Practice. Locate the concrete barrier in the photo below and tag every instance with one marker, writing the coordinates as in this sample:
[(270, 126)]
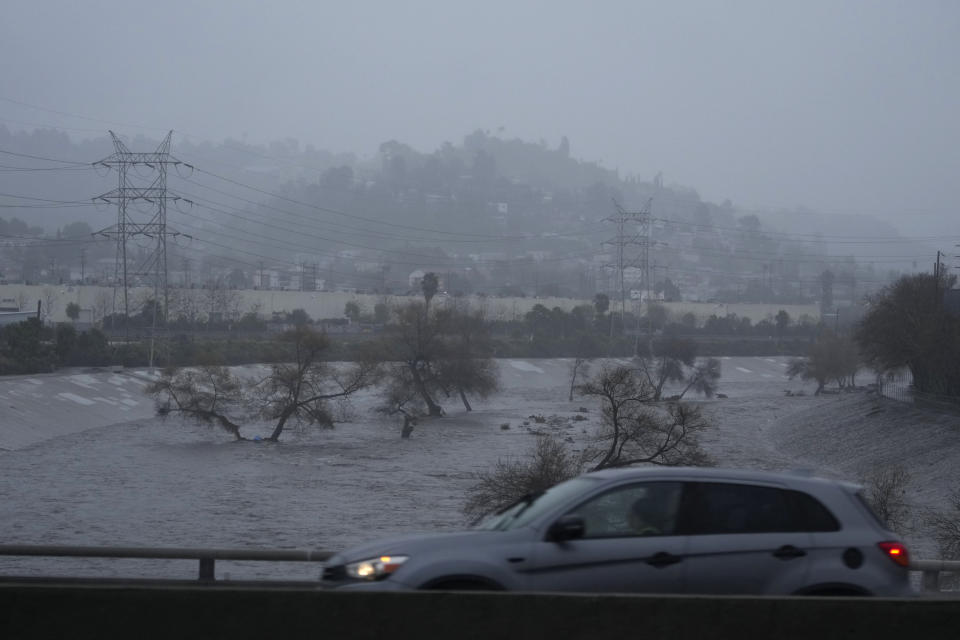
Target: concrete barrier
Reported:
[(140, 611), (39, 407)]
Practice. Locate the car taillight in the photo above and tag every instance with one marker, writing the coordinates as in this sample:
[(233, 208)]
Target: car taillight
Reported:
[(896, 552)]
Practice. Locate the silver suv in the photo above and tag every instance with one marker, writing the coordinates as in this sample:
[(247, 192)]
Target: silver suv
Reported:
[(663, 530)]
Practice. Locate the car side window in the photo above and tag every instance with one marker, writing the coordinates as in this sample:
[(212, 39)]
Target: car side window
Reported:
[(717, 508), (642, 509), (811, 515)]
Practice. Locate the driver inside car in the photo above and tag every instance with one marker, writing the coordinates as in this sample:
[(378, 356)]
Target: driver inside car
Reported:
[(643, 518)]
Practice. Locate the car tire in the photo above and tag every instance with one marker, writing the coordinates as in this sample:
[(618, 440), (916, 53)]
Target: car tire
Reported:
[(834, 592), (462, 584)]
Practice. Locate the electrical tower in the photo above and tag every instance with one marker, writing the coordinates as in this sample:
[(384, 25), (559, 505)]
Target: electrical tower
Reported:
[(141, 198), (632, 244)]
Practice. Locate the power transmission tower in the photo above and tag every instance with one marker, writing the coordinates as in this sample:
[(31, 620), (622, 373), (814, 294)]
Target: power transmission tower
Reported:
[(141, 198), (632, 246)]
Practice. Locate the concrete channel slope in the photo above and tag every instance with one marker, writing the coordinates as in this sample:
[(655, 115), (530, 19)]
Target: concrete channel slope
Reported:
[(39, 407)]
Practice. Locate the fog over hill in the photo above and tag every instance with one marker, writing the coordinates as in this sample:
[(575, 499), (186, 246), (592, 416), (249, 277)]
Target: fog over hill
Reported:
[(489, 213), (488, 142)]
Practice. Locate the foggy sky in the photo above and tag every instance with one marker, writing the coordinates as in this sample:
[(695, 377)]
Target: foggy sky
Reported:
[(845, 107)]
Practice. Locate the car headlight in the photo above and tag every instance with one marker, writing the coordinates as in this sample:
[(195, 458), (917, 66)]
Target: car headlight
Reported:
[(375, 568)]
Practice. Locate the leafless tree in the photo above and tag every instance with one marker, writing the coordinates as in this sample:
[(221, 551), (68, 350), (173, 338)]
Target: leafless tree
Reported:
[(297, 391), (886, 491), (300, 390), (101, 306), (946, 528), (442, 351), (210, 394), (400, 396), (221, 301), (184, 305), (579, 367), (415, 340), (636, 430), (703, 379), (50, 299), (668, 363), (465, 364)]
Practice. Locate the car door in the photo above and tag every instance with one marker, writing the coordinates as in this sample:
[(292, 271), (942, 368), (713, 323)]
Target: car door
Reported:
[(621, 550), (743, 539)]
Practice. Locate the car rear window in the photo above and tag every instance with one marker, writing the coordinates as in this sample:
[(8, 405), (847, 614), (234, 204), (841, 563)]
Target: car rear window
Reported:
[(811, 515)]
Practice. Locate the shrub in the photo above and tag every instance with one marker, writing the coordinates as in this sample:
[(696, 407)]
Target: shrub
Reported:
[(946, 528), (551, 461), (885, 491)]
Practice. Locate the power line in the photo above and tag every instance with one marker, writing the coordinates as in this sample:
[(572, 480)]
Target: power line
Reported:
[(815, 237), (797, 237), (373, 232), (35, 198), (74, 115), (27, 155), (12, 169), (423, 257), (354, 216)]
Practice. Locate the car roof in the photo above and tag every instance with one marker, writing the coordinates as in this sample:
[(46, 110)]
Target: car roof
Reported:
[(794, 479)]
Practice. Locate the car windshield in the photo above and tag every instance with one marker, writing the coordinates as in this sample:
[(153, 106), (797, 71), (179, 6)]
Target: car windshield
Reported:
[(532, 506)]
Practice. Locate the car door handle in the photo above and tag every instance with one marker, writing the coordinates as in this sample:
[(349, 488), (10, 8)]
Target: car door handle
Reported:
[(789, 552), (663, 559)]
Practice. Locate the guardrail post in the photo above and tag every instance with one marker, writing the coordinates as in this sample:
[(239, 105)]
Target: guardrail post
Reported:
[(931, 580), (206, 570)]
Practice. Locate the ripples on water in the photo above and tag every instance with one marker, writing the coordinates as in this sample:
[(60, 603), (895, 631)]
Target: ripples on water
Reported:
[(179, 484)]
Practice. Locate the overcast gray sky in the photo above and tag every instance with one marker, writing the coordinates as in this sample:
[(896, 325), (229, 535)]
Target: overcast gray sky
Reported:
[(837, 106)]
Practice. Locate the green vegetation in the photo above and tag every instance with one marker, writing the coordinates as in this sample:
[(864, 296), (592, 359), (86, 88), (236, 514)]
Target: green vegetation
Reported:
[(583, 332)]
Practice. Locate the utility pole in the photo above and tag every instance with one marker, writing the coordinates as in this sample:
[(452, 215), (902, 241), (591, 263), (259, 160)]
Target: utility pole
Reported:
[(633, 230), (936, 279), (83, 263), (141, 213)]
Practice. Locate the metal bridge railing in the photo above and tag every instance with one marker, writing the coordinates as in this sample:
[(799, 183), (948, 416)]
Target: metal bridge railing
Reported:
[(207, 557), (932, 570)]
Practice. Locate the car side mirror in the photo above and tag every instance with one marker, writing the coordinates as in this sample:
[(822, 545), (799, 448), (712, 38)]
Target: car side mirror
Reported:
[(568, 527)]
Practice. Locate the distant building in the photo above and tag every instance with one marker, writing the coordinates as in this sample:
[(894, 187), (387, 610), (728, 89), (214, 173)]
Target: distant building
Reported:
[(13, 317)]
